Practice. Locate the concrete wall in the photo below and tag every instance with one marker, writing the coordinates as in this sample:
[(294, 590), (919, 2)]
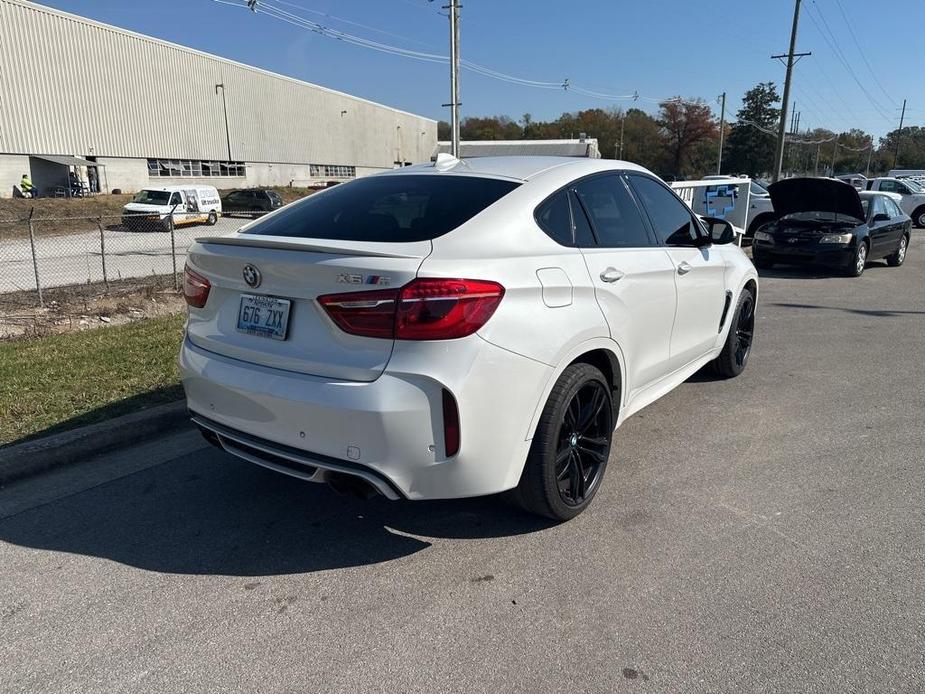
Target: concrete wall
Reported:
[(12, 167)]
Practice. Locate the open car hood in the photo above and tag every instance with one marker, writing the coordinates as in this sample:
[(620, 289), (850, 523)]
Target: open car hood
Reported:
[(793, 195)]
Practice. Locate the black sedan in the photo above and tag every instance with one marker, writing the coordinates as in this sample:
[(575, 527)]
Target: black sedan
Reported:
[(826, 222), (253, 201)]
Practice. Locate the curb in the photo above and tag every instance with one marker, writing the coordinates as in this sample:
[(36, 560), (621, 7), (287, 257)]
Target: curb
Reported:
[(32, 457)]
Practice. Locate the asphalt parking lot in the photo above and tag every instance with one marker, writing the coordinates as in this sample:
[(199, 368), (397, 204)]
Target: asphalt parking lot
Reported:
[(761, 534)]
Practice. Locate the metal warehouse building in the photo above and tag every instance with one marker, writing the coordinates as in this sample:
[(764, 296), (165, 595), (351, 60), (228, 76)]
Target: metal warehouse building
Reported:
[(134, 111)]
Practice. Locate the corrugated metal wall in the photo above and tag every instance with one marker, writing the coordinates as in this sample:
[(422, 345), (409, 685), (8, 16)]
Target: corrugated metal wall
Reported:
[(72, 86)]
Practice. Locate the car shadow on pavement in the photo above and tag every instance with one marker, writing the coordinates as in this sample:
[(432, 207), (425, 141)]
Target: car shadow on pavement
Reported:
[(212, 514), (879, 313)]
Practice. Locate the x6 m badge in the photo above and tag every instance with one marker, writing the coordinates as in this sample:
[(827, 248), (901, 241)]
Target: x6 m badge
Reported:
[(379, 280)]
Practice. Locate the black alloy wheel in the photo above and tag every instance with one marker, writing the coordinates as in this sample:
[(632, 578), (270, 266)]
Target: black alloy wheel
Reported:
[(584, 441), (571, 446), (744, 330), (738, 346)]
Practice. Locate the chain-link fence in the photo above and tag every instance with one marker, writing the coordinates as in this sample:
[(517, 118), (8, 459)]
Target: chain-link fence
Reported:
[(39, 254)]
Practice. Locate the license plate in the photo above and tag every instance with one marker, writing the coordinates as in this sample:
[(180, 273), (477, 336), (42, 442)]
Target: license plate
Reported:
[(263, 316)]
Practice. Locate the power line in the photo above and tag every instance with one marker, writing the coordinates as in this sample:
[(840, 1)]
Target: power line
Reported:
[(273, 10), (833, 44), (353, 23), (863, 56)]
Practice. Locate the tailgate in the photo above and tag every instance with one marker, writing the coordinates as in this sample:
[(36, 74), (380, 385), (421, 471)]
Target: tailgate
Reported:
[(297, 271)]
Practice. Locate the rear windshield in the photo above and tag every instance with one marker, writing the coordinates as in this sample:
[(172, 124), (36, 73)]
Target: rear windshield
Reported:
[(393, 208)]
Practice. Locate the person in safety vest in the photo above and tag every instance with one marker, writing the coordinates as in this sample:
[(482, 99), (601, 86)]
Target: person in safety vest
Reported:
[(27, 188)]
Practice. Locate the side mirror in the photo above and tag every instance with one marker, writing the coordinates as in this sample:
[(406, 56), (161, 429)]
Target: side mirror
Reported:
[(721, 231), (881, 217)]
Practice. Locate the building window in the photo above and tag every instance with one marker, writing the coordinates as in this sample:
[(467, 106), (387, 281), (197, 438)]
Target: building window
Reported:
[(332, 171), (194, 168)]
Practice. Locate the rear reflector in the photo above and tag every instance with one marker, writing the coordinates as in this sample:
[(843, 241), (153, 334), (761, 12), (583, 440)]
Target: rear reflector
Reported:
[(424, 309), (195, 288), (450, 424)]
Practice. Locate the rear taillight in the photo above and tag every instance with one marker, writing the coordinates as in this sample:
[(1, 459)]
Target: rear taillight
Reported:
[(424, 309), (195, 288)]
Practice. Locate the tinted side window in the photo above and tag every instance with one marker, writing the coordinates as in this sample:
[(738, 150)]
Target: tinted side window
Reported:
[(554, 218), (394, 208), (879, 206), (670, 217), (613, 213), (893, 209)]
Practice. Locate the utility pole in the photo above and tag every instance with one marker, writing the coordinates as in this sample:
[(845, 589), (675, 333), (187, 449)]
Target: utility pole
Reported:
[(899, 134), (454, 104), (622, 123), (834, 154), (792, 58), (722, 132), (870, 152), (816, 165)]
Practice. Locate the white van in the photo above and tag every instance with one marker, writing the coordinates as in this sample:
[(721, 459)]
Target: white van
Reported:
[(151, 208)]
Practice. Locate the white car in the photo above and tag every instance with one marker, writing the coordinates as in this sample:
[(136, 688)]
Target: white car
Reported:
[(461, 328)]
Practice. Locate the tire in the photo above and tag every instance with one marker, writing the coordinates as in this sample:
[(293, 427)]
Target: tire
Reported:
[(562, 476), (898, 257), (856, 269), (213, 219), (733, 358), (918, 217)]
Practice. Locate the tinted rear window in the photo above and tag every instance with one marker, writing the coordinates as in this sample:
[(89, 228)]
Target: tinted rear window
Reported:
[(396, 209)]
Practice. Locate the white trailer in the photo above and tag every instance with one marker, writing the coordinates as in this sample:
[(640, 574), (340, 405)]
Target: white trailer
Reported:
[(730, 199)]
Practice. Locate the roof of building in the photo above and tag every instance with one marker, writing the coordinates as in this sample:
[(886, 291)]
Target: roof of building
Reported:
[(586, 147)]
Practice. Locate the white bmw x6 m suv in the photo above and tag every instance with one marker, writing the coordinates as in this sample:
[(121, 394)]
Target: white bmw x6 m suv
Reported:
[(461, 328)]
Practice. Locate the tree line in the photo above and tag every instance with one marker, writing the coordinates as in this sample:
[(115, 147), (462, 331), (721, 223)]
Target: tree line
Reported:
[(681, 141)]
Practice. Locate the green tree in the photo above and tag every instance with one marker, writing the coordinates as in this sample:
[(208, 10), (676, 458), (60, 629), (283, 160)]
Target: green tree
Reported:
[(643, 141), (751, 140), (490, 128), (911, 148)]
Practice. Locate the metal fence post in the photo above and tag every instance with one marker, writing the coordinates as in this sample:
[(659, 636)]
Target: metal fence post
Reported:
[(103, 253), (173, 251), (35, 260)]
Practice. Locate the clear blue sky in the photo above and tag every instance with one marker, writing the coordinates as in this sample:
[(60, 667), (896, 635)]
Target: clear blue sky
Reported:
[(660, 48)]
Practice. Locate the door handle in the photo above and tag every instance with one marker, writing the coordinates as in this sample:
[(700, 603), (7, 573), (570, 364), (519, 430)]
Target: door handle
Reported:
[(684, 268), (611, 274)]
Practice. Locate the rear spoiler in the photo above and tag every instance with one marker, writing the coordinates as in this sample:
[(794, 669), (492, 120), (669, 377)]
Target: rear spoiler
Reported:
[(419, 249)]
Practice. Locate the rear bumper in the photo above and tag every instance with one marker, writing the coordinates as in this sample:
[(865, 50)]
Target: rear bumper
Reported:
[(388, 431)]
